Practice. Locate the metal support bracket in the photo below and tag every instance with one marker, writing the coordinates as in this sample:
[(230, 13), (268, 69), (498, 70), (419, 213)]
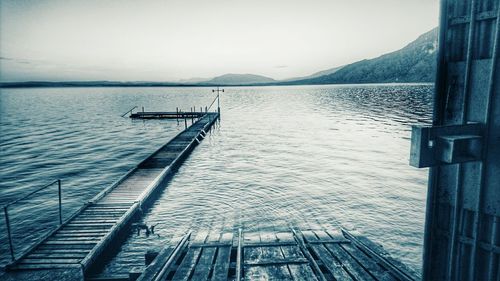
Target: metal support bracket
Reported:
[(441, 145)]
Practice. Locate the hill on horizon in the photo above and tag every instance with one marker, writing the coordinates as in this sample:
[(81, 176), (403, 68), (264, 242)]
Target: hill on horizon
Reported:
[(416, 62), (239, 79)]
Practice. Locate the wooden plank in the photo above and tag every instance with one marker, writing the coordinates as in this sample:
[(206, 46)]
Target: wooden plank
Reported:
[(221, 266), (61, 251), (66, 247), (35, 255), (333, 266), (272, 256), (369, 264), (50, 242), (204, 265), (46, 266), (186, 267), (297, 271), (301, 272), (350, 264), (72, 238), (89, 225), (81, 231), (92, 221), (48, 261)]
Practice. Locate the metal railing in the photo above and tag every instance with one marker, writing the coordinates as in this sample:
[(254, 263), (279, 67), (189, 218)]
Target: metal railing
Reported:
[(6, 212), (130, 110)]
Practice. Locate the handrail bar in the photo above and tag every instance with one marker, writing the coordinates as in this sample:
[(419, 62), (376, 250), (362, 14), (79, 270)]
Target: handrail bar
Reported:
[(216, 97), (129, 111), (31, 193), (6, 213)]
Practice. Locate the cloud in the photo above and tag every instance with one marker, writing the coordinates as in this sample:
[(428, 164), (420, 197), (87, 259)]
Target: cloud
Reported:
[(281, 66)]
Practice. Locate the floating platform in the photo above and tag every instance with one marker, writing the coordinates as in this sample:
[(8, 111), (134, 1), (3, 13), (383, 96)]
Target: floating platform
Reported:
[(82, 240), (274, 255), (166, 115)]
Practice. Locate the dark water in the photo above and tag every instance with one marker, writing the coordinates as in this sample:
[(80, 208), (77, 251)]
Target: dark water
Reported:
[(309, 156)]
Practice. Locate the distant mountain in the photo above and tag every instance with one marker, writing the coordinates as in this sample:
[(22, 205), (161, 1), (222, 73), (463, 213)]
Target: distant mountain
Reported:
[(194, 80), (414, 63), (317, 74), (239, 79)]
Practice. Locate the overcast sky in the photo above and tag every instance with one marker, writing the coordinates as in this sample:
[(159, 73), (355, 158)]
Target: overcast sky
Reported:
[(180, 39)]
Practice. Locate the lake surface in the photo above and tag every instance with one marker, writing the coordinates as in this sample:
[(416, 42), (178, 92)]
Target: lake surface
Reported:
[(306, 156)]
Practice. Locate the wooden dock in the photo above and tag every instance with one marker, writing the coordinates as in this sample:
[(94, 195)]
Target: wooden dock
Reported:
[(275, 255), (166, 115), (83, 238)]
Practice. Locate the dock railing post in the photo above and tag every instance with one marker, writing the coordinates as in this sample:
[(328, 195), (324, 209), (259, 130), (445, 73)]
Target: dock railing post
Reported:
[(185, 122), (7, 223), (177, 115), (218, 102), (60, 201)]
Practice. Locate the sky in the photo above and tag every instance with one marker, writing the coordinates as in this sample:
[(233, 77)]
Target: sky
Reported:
[(171, 40)]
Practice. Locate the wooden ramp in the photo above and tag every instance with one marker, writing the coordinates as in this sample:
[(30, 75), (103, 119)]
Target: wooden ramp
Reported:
[(275, 255), (84, 237)]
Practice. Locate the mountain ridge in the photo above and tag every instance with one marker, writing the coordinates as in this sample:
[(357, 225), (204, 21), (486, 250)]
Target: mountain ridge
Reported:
[(414, 63)]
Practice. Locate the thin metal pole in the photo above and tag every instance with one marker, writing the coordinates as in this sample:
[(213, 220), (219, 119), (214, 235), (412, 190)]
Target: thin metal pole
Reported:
[(7, 223), (218, 101), (60, 201), (238, 256)]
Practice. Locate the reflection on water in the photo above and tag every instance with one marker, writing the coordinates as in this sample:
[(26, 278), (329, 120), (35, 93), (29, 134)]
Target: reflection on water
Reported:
[(308, 156)]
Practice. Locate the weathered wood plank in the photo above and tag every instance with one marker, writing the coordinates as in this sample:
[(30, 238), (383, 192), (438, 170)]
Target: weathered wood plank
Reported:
[(59, 242), (301, 272), (333, 266), (186, 267), (221, 267), (48, 261), (49, 255), (66, 247), (350, 264), (368, 263), (204, 265), (61, 251)]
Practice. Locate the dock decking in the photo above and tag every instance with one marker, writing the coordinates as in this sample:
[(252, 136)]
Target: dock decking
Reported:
[(166, 115), (274, 255), (83, 238)]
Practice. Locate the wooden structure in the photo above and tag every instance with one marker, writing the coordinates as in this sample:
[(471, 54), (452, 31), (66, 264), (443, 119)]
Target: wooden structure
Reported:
[(462, 233), (274, 255), (81, 240), (166, 115)]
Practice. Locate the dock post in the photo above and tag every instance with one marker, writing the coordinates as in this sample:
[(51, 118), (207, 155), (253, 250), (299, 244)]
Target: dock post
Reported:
[(185, 122), (192, 116), (218, 103), (7, 223), (177, 115), (60, 201), (143, 109), (206, 109)]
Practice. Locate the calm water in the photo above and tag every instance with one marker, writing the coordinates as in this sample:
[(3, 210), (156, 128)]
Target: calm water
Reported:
[(307, 156)]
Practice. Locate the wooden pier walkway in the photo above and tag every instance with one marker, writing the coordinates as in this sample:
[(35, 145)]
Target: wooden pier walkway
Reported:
[(83, 238), (166, 115), (275, 255)]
